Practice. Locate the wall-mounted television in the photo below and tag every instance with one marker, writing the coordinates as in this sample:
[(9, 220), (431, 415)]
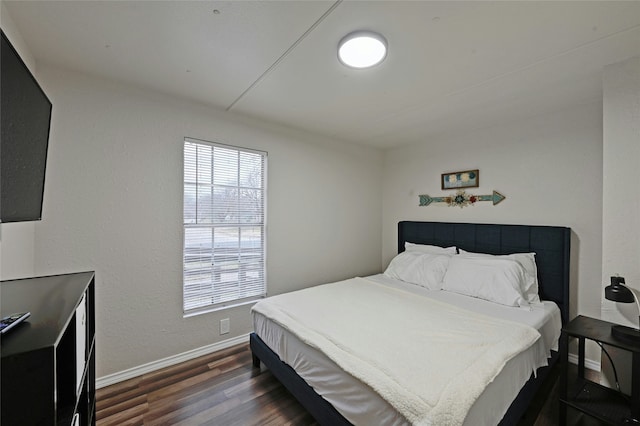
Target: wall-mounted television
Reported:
[(24, 139)]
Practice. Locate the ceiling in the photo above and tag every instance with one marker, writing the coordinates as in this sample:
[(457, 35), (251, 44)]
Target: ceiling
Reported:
[(452, 66)]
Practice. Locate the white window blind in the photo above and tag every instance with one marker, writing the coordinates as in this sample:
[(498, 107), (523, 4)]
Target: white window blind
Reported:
[(224, 225)]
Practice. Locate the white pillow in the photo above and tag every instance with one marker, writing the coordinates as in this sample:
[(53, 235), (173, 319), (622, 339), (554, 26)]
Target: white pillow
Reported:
[(425, 248), (528, 262), (495, 279), (423, 269)]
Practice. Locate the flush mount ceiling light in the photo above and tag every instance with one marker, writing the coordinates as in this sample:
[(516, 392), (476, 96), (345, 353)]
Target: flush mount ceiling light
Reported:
[(362, 49)]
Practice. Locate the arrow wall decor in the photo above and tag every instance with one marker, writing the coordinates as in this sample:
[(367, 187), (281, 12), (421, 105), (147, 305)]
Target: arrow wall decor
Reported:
[(462, 199)]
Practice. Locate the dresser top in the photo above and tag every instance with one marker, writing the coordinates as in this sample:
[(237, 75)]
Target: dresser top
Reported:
[(52, 301)]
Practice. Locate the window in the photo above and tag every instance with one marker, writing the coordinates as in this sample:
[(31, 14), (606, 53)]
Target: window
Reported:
[(224, 225)]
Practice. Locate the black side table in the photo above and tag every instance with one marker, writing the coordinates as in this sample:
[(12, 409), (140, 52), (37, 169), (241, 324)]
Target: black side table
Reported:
[(593, 399)]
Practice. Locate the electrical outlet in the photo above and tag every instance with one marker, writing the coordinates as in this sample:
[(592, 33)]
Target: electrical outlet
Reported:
[(224, 326)]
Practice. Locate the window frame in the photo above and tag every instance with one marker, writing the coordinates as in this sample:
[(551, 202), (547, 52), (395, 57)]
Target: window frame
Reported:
[(227, 254)]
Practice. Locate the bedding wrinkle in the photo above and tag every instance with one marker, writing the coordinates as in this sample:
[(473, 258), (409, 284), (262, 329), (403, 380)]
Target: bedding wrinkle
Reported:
[(466, 350)]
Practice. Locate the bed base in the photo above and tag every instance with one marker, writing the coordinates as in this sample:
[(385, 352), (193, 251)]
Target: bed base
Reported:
[(552, 247), (326, 414), (317, 406)]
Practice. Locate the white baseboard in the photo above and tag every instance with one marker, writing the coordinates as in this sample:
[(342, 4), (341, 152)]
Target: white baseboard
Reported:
[(588, 363), (130, 373)]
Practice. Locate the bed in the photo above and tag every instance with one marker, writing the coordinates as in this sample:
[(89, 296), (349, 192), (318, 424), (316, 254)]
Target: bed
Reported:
[(355, 400)]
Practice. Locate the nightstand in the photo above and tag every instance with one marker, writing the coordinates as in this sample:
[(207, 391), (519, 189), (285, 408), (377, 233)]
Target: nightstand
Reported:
[(590, 398)]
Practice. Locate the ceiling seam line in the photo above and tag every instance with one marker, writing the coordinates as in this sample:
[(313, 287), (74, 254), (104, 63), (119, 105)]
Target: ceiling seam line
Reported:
[(284, 55), (545, 59), (493, 79)]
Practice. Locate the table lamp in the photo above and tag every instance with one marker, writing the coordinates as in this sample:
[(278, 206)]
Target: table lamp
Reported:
[(619, 292)]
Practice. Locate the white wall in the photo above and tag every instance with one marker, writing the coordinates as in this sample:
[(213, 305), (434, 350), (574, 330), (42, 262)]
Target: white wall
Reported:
[(114, 205), (549, 167), (15, 37), (17, 250), (621, 200), (16, 239), (621, 197)]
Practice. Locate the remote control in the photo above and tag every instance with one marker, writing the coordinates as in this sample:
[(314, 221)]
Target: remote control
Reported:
[(11, 321)]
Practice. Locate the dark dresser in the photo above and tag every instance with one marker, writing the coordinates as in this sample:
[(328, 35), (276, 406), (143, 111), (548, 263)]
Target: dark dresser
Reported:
[(48, 361)]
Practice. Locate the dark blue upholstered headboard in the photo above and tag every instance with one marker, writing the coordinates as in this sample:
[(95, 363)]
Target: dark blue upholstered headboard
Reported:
[(552, 245)]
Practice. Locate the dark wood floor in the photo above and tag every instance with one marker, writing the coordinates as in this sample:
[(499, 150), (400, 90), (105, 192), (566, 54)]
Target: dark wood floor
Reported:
[(217, 389), (224, 389)]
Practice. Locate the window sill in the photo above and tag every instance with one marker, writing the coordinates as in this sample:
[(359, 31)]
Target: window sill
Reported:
[(217, 308)]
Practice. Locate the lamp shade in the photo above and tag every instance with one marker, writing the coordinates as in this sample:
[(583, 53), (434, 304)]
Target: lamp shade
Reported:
[(618, 293)]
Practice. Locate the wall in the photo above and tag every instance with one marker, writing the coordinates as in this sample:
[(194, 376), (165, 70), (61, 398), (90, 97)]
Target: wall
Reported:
[(17, 250), (16, 239), (621, 200), (114, 205), (549, 167)]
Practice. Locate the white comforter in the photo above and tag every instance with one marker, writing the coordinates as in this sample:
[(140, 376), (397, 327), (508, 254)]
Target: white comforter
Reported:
[(428, 359)]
